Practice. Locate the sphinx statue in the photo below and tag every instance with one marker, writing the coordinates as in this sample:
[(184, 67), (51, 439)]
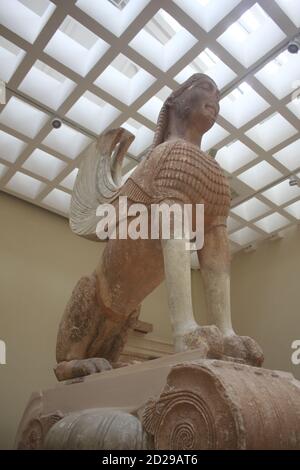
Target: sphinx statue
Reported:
[(105, 305)]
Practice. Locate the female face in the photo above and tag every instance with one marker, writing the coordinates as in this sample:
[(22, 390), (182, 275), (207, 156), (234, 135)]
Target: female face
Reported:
[(204, 106)]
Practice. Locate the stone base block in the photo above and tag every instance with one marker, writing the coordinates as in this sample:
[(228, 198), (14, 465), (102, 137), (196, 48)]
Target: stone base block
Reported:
[(175, 402)]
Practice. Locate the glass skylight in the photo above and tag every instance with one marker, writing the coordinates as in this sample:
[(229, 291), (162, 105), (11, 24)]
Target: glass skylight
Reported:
[(167, 45), (110, 15), (67, 141), (10, 147), (143, 136), (278, 75), (244, 236), (25, 185), (282, 193), (294, 105), (234, 156), (241, 105), (43, 164), (289, 156), (210, 64), (252, 36), (23, 117), (207, 13), (272, 222), (124, 80), (213, 137), (271, 132), (260, 175), (251, 209), (10, 57), (232, 224), (92, 112), (46, 85), (76, 46), (18, 14), (291, 9), (69, 181), (294, 209), (153, 106), (59, 200)]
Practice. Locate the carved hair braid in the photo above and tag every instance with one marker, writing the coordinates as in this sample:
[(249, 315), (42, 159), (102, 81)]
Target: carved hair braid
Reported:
[(163, 117)]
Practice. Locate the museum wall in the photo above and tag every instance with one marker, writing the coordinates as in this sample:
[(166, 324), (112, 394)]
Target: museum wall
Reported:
[(41, 260), (265, 297)]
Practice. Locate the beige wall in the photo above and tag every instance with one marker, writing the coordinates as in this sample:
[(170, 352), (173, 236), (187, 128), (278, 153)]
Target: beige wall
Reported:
[(265, 297), (41, 260)]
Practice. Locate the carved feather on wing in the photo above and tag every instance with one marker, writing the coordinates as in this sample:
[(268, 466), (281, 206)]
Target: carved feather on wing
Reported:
[(98, 181)]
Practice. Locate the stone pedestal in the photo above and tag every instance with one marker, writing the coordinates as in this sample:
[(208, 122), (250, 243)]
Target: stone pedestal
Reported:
[(175, 402)]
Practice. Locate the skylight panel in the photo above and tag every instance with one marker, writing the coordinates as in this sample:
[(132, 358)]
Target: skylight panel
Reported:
[(215, 135), (232, 224), (23, 117), (294, 209), (10, 147), (143, 136), (69, 181), (10, 57), (251, 36), (46, 85), (162, 41), (210, 64), (278, 74), (289, 156), (272, 222), (294, 105), (241, 105), (17, 15), (92, 112), (234, 156), (114, 15), (207, 13), (76, 46), (153, 106), (25, 185), (271, 132), (260, 175), (282, 193), (124, 80), (251, 209), (163, 27), (244, 236), (291, 9), (59, 200), (43, 164), (67, 141)]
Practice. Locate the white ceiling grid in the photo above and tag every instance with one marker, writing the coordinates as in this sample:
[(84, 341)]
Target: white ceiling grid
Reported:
[(101, 64)]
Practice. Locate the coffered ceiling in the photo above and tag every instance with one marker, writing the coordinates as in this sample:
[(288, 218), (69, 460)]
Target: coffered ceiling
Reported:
[(110, 63)]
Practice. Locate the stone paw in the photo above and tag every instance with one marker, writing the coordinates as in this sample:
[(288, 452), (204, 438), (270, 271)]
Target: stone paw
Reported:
[(244, 348), (81, 367), (206, 338)]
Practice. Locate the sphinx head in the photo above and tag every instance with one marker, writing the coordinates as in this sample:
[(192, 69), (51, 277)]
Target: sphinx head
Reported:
[(195, 104)]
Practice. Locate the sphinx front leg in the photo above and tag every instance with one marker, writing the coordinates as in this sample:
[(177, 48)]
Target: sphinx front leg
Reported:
[(187, 333), (214, 260)]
